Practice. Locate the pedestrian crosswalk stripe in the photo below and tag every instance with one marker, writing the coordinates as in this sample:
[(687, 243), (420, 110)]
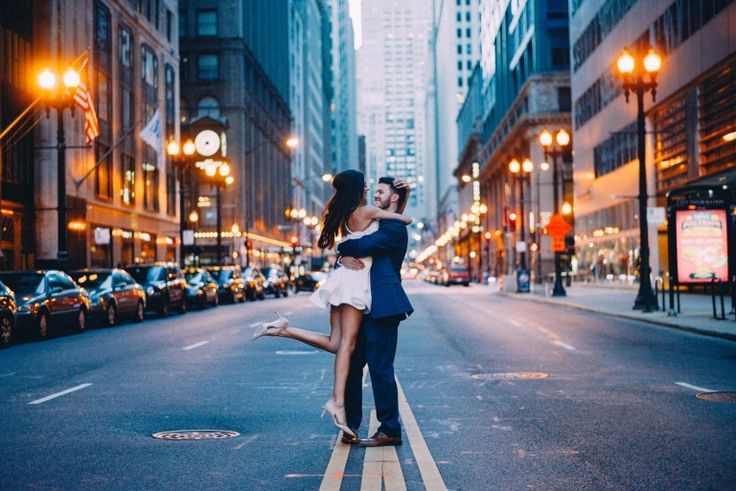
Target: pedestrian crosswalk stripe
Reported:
[(427, 467)]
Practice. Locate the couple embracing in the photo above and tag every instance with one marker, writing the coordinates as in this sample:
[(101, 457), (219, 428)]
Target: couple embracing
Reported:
[(365, 299)]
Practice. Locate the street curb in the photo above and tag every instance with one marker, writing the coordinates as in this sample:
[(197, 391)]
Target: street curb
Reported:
[(694, 330)]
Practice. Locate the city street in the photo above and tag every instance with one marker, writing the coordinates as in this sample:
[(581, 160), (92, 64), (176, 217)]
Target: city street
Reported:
[(500, 393)]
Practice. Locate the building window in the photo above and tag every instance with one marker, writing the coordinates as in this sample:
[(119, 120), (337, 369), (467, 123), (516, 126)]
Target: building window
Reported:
[(182, 23), (149, 69), (459, 33), (150, 178), (469, 64), (564, 99), (467, 16), (169, 81), (459, 65), (459, 81), (468, 49), (459, 17), (717, 117), (103, 174), (170, 191), (127, 190), (126, 48), (207, 67), (206, 22), (169, 25), (617, 150), (459, 49), (467, 32)]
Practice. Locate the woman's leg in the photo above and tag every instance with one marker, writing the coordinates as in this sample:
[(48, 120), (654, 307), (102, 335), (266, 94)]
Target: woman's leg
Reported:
[(316, 339), (350, 319)]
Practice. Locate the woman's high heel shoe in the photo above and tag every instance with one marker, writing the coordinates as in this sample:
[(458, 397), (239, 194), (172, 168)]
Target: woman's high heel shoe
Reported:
[(338, 416), (279, 325)]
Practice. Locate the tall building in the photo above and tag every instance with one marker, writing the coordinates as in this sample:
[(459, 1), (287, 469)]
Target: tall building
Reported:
[(119, 195), (520, 88), (456, 51), (311, 93), (343, 107), (688, 126), (393, 72), (234, 71)]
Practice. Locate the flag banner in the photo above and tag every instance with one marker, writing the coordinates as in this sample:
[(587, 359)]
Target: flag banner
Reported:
[(83, 100), (151, 134)]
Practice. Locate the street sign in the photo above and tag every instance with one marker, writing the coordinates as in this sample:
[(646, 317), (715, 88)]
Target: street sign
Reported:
[(655, 215), (188, 237), (558, 244), (558, 227)]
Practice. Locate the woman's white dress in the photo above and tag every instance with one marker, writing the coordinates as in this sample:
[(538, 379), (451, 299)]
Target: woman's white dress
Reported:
[(347, 286)]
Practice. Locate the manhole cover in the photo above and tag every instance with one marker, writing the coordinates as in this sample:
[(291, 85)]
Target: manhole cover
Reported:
[(195, 435), (717, 396), (510, 376)]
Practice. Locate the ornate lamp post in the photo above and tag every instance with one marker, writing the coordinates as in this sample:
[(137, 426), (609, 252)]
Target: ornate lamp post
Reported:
[(60, 98), (640, 76), (219, 176), (180, 157), (522, 173), (555, 151)]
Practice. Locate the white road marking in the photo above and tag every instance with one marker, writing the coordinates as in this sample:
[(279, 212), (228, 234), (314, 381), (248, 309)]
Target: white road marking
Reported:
[(59, 394), (515, 323), (427, 466), (7, 374), (255, 324), (694, 387), (295, 352), (246, 442), (564, 345), (288, 312), (196, 345)]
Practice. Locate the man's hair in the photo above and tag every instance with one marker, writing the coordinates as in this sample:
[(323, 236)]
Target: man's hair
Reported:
[(400, 191)]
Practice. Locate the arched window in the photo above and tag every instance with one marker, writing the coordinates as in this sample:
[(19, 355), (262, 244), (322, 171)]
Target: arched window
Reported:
[(208, 106)]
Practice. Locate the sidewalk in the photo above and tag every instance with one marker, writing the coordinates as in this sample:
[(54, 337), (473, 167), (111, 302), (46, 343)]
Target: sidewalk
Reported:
[(696, 316)]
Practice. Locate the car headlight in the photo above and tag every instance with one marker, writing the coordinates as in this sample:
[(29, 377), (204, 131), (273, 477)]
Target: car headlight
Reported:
[(150, 291)]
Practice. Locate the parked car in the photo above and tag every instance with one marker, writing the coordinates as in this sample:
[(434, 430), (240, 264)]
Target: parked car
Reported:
[(276, 283), (203, 289), (47, 300), (254, 281), (7, 316), (113, 294), (309, 282), (164, 285), (230, 282), (457, 275)]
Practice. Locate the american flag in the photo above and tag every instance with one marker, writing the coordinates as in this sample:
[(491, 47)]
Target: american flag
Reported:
[(83, 100)]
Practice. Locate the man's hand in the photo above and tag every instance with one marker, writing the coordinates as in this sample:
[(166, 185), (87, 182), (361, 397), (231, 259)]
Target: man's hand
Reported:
[(352, 263)]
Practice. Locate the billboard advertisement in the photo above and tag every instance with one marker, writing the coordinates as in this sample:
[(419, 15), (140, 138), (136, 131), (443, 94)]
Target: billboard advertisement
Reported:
[(702, 245)]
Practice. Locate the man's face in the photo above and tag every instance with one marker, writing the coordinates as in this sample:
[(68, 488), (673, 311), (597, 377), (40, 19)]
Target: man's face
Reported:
[(382, 196)]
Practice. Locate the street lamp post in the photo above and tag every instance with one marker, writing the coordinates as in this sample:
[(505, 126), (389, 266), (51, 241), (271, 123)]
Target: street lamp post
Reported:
[(181, 162), (60, 98), (563, 140), (640, 82), (219, 173), (521, 172)]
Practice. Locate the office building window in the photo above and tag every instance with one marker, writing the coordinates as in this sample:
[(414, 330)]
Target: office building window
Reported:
[(206, 22), (169, 81), (467, 32), (469, 49), (103, 174), (127, 190), (103, 99), (459, 81), (459, 65), (459, 17), (617, 150), (459, 49), (469, 64), (150, 178), (564, 99), (182, 23), (670, 143), (170, 191), (459, 33), (717, 117), (208, 67), (169, 25)]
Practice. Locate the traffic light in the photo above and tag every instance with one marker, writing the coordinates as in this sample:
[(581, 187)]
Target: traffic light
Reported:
[(488, 235), (511, 217), (249, 244)]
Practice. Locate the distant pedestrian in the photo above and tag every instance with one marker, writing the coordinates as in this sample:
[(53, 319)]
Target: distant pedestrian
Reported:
[(359, 306)]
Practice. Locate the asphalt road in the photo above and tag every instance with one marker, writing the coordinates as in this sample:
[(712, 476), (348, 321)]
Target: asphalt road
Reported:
[(500, 394)]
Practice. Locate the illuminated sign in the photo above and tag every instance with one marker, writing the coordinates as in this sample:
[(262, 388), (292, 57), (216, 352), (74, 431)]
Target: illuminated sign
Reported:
[(702, 245)]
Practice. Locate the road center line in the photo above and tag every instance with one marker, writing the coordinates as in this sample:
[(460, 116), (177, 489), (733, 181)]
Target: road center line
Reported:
[(564, 345), (694, 387), (59, 394), (196, 345), (372, 464), (427, 466), (254, 324)]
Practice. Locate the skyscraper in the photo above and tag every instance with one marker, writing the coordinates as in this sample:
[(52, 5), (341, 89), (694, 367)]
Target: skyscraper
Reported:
[(393, 70)]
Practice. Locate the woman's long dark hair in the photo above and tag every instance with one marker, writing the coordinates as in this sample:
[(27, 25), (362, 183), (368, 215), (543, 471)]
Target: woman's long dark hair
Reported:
[(349, 190)]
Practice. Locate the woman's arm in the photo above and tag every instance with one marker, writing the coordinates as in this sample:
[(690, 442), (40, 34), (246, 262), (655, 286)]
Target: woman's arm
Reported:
[(378, 214), (391, 236)]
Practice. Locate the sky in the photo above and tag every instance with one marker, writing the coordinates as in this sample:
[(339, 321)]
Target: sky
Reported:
[(355, 15)]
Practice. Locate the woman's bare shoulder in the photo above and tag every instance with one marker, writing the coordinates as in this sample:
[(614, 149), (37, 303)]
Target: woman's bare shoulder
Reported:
[(361, 218)]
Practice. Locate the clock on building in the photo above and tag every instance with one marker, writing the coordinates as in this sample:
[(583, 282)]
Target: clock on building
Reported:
[(207, 143)]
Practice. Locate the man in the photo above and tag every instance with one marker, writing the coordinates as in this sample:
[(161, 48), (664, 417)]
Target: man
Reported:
[(376, 344)]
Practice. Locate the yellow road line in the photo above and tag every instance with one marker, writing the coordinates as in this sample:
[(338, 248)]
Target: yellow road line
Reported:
[(427, 466), (372, 463), (332, 479)]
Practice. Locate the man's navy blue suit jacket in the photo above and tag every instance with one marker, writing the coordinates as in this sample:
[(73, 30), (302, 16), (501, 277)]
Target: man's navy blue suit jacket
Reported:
[(387, 247)]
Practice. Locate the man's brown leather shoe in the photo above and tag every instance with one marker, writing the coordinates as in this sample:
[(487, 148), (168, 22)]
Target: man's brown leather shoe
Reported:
[(349, 440), (380, 439)]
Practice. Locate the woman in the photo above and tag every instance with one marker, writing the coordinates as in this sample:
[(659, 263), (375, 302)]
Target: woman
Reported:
[(346, 292)]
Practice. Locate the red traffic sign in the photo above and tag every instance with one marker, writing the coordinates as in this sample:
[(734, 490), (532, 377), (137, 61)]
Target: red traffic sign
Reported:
[(558, 227), (558, 244)]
